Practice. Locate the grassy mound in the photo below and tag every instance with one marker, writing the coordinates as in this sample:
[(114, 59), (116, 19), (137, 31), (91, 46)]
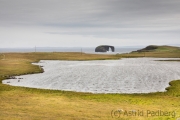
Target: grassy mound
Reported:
[(155, 48), (155, 51)]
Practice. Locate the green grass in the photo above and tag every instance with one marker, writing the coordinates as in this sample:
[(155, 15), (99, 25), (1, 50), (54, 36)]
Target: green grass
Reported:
[(160, 52), (30, 103)]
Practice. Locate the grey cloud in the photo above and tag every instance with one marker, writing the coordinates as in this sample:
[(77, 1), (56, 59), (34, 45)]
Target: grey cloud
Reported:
[(94, 11), (99, 18)]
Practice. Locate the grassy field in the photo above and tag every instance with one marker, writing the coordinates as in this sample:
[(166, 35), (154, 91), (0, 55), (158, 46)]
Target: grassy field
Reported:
[(28, 103)]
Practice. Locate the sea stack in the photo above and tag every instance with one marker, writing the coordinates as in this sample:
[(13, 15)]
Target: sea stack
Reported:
[(104, 48)]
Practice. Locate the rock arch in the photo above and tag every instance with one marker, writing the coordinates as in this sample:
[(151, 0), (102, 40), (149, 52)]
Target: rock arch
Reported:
[(104, 48)]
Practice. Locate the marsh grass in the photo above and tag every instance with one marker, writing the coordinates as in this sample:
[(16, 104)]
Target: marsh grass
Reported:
[(31, 103)]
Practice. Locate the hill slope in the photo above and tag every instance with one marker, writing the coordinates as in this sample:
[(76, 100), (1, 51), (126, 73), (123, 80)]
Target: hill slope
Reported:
[(154, 48), (155, 51)]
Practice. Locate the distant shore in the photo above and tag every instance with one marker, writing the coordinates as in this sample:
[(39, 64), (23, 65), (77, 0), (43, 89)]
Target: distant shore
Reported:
[(66, 49)]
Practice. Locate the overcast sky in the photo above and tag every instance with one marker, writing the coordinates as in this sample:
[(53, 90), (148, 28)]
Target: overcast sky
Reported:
[(88, 23)]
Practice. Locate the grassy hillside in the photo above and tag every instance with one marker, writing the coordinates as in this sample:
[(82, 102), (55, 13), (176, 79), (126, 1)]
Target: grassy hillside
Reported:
[(28, 103), (155, 51), (155, 48)]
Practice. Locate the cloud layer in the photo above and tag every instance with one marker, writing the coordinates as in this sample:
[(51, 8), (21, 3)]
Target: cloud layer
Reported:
[(88, 22)]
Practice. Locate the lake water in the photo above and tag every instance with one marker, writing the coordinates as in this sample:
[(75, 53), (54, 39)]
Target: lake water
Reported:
[(128, 75)]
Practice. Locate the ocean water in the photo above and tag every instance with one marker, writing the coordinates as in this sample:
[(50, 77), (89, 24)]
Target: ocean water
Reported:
[(67, 49)]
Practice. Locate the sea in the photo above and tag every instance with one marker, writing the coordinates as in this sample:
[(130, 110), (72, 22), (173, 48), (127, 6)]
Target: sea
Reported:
[(90, 50)]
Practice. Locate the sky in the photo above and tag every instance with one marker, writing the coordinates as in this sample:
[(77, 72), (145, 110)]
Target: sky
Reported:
[(89, 23)]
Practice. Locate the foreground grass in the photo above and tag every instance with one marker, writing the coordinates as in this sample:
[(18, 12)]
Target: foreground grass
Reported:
[(29, 103)]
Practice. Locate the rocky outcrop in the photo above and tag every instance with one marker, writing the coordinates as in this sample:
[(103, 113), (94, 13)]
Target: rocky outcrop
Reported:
[(104, 48)]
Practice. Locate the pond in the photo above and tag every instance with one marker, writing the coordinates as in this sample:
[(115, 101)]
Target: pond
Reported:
[(128, 75)]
